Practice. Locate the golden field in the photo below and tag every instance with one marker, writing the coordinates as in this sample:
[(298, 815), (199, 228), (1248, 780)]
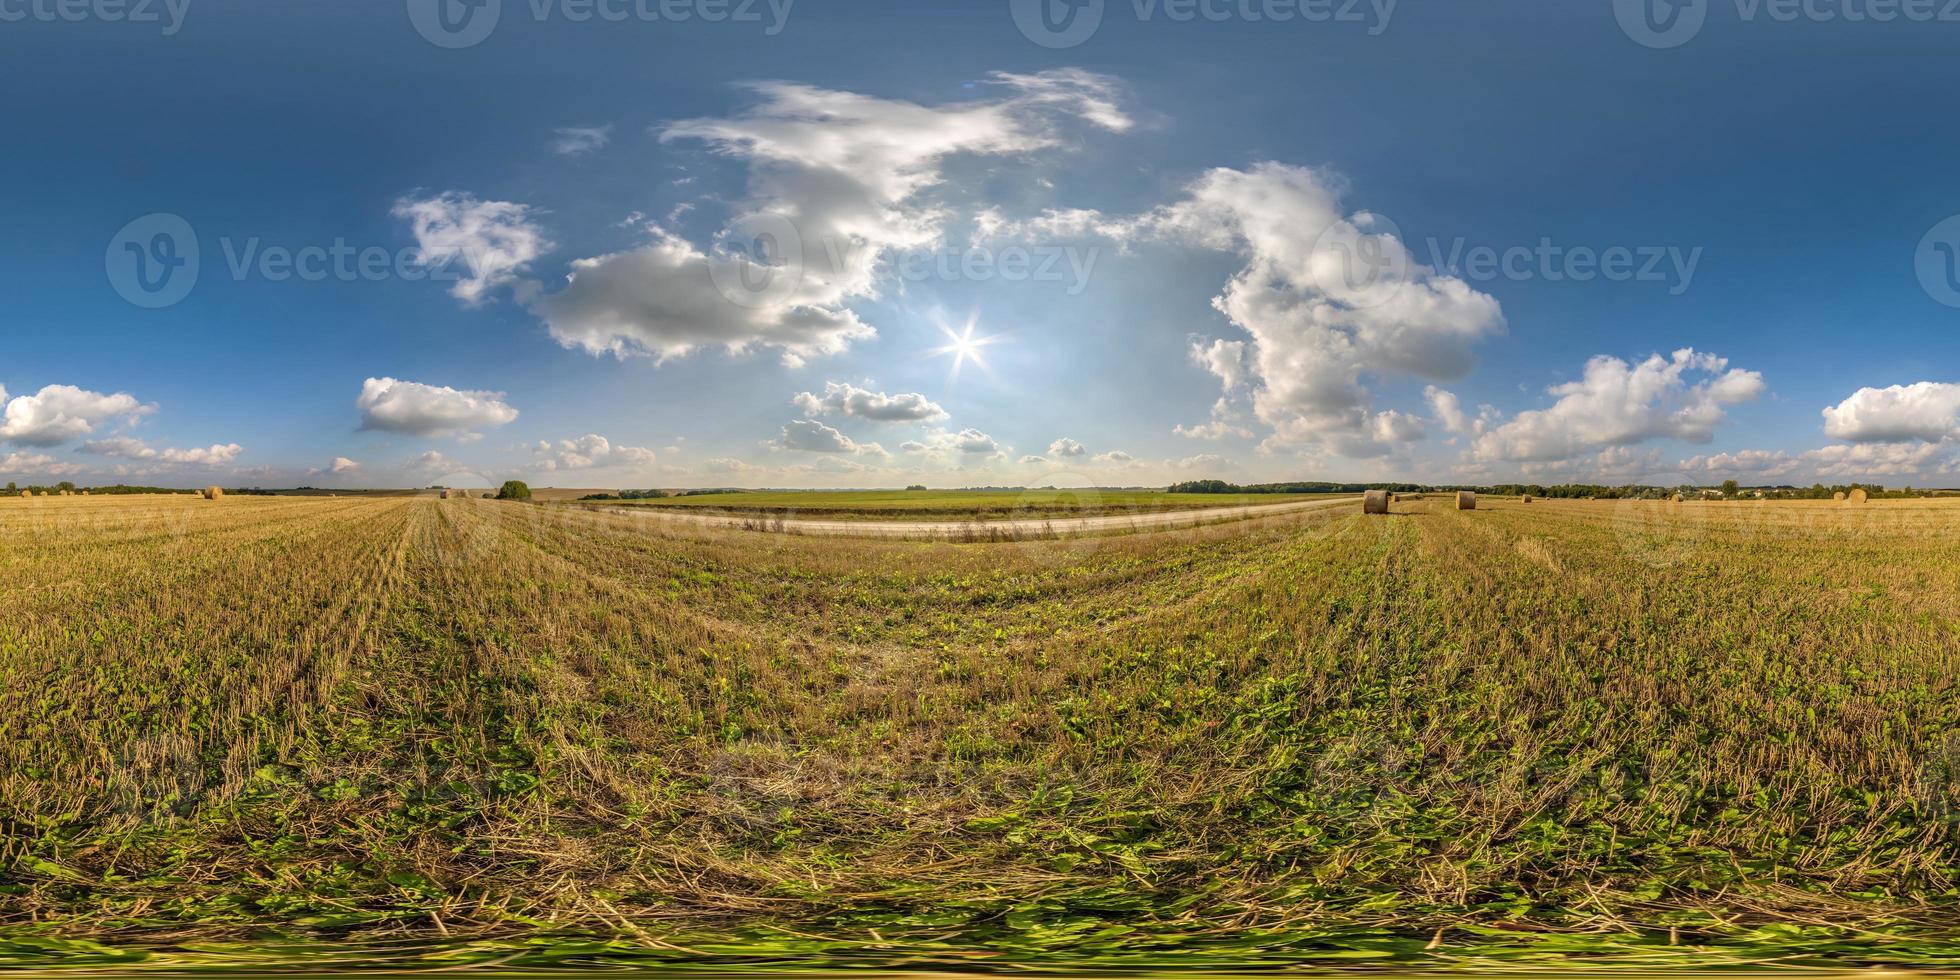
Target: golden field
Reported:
[(1623, 731)]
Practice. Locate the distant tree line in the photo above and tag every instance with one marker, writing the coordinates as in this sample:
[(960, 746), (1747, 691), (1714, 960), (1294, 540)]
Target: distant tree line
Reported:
[(627, 495)]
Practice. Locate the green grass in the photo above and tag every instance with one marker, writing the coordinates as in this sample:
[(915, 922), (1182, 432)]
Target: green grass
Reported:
[(958, 504), (1562, 734)]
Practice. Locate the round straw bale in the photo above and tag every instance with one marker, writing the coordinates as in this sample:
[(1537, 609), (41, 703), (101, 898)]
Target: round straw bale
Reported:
[(1838, 495), (1466, 500), (1858, 496), (1524, 497), (213, 493), (1677, 498), (1374, 502), (27, 493)]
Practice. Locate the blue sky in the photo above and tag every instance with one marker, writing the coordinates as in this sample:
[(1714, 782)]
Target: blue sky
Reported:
[(1264, 244)]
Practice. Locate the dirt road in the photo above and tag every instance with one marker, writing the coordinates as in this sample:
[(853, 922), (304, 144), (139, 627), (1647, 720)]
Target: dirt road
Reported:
[(987, 530)]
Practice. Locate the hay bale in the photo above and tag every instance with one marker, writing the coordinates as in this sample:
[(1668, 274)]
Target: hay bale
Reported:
[(444, 495), (27, 493), (1524, 498), (1466, 500), (213, 493), (1677, 498), (1374, 502), (1838, 496), (1858, 496)]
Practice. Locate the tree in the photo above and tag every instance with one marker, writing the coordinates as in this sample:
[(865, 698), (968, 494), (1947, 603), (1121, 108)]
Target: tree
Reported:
[(65, 486), (1731, 489), (514, 490)]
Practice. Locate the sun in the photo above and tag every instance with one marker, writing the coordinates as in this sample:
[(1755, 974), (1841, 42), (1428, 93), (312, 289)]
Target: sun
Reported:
[(964, 346)]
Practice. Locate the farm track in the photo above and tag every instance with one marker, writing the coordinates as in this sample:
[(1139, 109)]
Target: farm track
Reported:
[(986, 530)]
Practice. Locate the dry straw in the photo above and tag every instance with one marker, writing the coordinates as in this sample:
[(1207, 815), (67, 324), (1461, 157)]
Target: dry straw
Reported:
[(1525, 497), (213, 493), (1678, 498), (1839, 496), (1858, 496), (1466, 500), (1374, 502)]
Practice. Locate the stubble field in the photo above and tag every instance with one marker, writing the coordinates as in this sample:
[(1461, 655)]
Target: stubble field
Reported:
[(1626, 732)]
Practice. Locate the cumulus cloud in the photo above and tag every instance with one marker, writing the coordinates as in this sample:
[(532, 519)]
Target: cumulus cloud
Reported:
[(61, 413), (846, 399), (836, 180), (36, 464), (1757, 463), (1066, 447), (1114, 456), (1224, 358), (1330, 300), (974, 441), (811, 436), (1618, 404), (484, 244), (342, 464), (124, 447), (1883, 459), (590, 451), (1927, 411), (946, 446), (415, 409), (577, 141)]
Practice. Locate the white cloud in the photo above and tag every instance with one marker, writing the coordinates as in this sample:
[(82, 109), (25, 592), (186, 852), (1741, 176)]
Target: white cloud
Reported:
[(974, 441), (1066, 447), (1033, 460), (1927, 411), (1224, 358), (36, 465), (214, 455), (1448, 411), (836, 180), (590, 451), (1620, 404), (342, 464), (846, 399), (1756, 463), (1329, 301), (1114, 456), (412, 408), (485, 244), (60, 413), (577, 141), (1875, 459), (811, 436)]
